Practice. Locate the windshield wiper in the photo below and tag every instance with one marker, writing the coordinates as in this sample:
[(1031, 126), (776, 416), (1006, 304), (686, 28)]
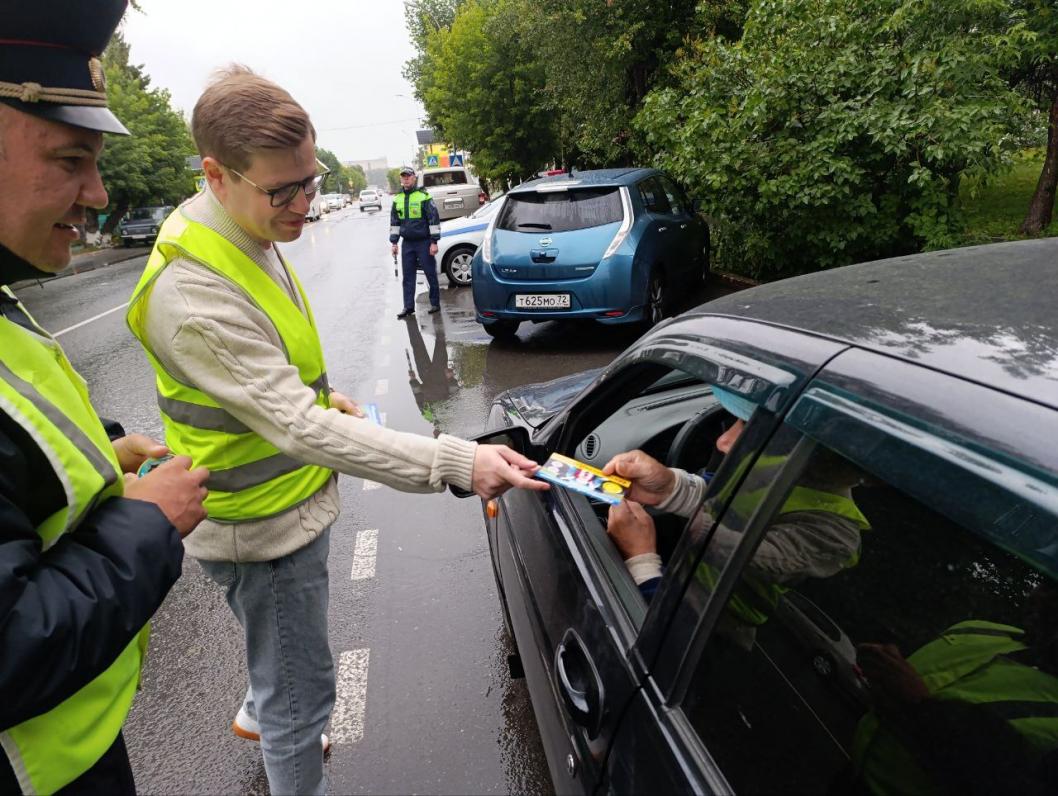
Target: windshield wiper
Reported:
[(535, 226)]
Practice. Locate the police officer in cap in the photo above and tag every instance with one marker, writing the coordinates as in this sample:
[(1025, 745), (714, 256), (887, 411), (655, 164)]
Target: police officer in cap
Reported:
[(414, 218), (87, 553)]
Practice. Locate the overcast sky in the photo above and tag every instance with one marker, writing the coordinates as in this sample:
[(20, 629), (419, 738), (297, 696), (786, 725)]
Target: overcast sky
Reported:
[(341, 59)]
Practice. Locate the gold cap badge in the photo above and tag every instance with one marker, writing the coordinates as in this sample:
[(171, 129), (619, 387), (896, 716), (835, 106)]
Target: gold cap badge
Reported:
[(99, 78)]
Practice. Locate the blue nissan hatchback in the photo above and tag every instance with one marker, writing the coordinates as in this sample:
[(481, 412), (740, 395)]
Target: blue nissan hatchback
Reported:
[(612, 245)]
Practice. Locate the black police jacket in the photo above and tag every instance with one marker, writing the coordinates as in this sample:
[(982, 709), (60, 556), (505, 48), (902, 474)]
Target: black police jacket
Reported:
[(66, 613)]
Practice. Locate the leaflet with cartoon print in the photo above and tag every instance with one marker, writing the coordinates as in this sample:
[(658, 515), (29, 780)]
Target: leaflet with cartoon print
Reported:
[(583, 478)]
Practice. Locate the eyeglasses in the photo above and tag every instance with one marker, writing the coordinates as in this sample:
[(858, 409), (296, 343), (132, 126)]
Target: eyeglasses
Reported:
[(285, 194)]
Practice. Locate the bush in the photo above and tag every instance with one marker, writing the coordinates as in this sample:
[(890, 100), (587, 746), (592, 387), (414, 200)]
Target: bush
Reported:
[(837, 131)]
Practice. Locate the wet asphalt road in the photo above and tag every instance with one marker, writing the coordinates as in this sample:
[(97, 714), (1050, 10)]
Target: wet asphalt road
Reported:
[(431, 708)]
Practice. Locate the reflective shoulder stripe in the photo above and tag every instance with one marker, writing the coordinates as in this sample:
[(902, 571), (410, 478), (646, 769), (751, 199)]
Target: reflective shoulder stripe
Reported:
[(236, 479), (18, 765), (69, 430), (984, 630), (211, 418)]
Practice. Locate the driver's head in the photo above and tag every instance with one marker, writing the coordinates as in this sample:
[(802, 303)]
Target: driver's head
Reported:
[(738, 406)]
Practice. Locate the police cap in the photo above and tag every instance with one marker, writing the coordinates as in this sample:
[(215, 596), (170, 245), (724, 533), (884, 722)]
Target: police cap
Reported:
[(406, 170), (49, 59)]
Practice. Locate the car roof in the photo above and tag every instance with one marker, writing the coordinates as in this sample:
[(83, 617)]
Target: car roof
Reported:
[(594, 177), (987, 314)]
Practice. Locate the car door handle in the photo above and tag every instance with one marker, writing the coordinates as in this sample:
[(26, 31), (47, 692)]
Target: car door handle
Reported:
[(683, 226), (662, 229), (579, 683)]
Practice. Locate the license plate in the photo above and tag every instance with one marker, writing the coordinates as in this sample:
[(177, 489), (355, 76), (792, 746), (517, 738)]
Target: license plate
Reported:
[(453, 204), (542, 301)]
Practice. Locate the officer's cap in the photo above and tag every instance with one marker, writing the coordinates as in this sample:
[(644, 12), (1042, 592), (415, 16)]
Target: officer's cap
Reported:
[(406, 170), (49, 59)]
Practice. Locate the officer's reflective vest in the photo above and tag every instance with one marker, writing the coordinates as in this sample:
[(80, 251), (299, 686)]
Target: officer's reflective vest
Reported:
[(40, 391), (415, 201), (754, 600), (969, 664), (249, 477)]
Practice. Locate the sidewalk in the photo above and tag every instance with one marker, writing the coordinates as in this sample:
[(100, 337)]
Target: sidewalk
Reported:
[(89, 261)]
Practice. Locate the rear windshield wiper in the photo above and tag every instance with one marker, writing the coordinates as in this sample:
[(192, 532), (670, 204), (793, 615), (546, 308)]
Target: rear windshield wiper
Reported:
[(535, 226)]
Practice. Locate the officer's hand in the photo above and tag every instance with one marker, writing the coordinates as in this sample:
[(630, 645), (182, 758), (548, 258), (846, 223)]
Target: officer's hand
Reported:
[(433, 249), (134, 449), (344, 404), (652, 481), (631, 529), (394, 249), (893, 680), (177, 490), (497, 468)]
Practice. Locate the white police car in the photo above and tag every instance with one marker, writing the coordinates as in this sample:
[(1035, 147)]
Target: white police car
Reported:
[(460, 238)]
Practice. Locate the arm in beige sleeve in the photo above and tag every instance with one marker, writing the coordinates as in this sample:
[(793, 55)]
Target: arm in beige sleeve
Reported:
[(224, 345)]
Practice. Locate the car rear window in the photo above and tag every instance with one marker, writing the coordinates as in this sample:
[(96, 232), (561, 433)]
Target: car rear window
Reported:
[(444, 178), (147, 213), (562, 211)]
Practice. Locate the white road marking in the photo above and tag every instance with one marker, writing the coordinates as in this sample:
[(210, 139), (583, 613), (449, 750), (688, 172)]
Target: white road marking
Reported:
[(93, 318), (347, 720), (364, 554), (382, 387), (369, 485)]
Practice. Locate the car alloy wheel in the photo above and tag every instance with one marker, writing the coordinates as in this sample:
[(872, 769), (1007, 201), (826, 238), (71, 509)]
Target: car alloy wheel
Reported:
[(657, 299), (457, 267), (823, 665)]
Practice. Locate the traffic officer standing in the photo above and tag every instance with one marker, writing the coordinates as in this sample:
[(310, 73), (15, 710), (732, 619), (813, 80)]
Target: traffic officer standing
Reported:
[(414, 218), (84, 559)]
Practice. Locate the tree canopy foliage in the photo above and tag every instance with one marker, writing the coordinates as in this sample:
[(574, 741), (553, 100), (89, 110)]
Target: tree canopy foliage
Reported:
[(814, 132), (148, 167)]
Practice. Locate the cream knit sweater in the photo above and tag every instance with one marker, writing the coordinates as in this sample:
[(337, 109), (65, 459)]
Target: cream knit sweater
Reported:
[(208, 333)]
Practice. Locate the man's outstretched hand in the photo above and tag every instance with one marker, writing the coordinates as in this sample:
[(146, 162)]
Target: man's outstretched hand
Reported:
[(497, 468)]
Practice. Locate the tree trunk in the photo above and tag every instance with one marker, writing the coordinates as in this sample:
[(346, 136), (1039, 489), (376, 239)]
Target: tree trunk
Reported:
[(1042, 205), (112, 220)]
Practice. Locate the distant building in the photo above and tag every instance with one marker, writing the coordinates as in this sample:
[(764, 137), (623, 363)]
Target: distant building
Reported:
[(374, 169)]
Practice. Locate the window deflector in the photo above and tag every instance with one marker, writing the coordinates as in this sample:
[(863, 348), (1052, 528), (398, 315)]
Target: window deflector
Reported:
[(1009, 506), (757, 526)]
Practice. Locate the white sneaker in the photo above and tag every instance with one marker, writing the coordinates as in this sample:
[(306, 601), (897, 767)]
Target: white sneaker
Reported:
[(248, 728)]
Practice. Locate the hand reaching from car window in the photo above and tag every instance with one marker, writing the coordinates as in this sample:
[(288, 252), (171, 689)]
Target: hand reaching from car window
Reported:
[(497, 468), (652, 482)]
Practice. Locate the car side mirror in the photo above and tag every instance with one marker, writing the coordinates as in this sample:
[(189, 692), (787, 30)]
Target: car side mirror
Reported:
[(514, 437)]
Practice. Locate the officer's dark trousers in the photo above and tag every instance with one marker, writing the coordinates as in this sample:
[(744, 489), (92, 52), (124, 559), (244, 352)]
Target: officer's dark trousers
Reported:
[(415, 254)]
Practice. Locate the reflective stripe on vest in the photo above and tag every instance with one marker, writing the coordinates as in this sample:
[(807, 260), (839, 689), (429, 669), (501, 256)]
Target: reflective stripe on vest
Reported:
[(411, 206), (42, 393), (249, 477), (968, 664)]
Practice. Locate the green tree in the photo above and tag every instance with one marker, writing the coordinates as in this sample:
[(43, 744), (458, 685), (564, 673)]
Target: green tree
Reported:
[(150, 166), (482, 88), (355, 178), (393, 178), (1037, 71), (603, 58), (423, 18), (835, 132), (336, 181)]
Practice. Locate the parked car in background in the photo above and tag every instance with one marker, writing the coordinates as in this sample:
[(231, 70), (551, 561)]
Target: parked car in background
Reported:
[(460, 238), (613, 245), (905, 409), (370, 199), (454, 191), (334, 201), (317, 205), (141, 224)]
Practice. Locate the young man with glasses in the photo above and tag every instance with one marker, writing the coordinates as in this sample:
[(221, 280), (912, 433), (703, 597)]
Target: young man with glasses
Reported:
[(242, 384)]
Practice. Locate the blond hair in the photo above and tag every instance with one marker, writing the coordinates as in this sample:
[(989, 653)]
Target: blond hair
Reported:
[(241, 113)]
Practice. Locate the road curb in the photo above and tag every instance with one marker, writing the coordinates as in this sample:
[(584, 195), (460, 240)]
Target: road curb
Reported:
[(118, 256), (734, 280)]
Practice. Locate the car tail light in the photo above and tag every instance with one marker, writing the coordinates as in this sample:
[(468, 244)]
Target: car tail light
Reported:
[(624, 229)]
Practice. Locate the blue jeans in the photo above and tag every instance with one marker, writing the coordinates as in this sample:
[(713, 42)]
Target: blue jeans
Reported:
[(282, 607), (415, 254)]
